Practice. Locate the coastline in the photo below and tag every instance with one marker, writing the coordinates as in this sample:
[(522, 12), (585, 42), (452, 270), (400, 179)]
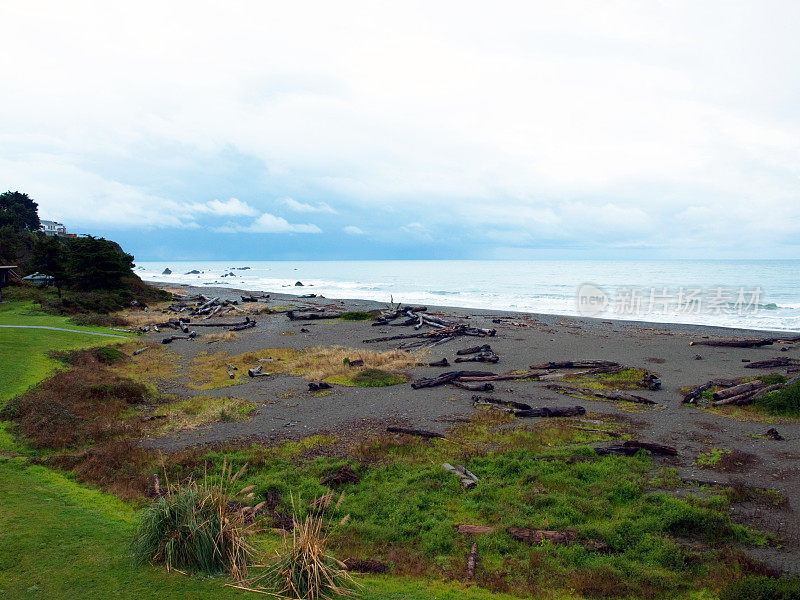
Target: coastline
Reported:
[(547, 318)]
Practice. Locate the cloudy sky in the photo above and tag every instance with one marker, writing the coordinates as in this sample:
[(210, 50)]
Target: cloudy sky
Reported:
[(261, 130)]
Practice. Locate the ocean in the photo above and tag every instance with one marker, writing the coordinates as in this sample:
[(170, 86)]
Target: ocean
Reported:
[(756, 294)]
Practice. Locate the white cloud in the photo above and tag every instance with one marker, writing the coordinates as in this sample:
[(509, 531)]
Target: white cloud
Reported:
[(322, 207), (225, 208), (268, 223), (353, 230)]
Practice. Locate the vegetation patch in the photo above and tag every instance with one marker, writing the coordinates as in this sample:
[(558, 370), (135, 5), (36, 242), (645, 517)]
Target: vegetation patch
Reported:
[(197, 526), (784, 402), (710, 459), (404, 508), (762, 588), (359, 315), (199, 410), (332, 364), (368, 378), (625, 379)]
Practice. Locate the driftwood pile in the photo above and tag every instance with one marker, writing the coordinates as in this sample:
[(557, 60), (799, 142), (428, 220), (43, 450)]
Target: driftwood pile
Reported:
[(735, 391), (204, 306), (442, 330), (520, 409)]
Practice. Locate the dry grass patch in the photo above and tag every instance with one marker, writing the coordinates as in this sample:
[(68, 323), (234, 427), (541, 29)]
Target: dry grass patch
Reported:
[(225, 336), (199, 410), (209, 371), (157, 363)]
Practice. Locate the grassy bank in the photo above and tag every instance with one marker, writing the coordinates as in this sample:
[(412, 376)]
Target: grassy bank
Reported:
[(24, 352)]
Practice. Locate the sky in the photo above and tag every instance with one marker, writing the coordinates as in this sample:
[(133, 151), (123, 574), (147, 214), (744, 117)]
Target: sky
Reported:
[(367, 130)]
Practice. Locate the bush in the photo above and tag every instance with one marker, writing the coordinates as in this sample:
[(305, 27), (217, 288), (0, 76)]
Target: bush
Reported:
[(109, 355), (784, 402), (762, 588), (196, 526)]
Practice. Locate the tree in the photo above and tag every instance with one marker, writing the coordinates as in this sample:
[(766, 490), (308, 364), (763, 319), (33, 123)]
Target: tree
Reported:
[(96, 264), (18, 211), (50, 257)]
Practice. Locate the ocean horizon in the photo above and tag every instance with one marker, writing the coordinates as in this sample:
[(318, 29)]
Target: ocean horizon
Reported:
[(754, 294)]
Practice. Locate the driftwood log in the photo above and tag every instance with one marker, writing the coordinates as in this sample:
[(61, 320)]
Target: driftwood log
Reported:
[(607, 394), (311, 316), (694, 394), (579, 364), (474, 529), (448, 377), (473, 387), (737, 390), (472, 559), (631, 447), (417, 432), (755, 343), (783, 361), (474, 350), (537, 536), (364, 565)]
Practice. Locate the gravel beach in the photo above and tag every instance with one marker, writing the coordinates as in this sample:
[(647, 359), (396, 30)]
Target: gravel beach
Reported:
[(286, 409)]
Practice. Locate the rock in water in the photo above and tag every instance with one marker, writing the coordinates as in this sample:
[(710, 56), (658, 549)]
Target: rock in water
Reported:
[(166, 271), (299, 284)]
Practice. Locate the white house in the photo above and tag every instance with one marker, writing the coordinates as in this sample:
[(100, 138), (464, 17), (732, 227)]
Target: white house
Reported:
[(53, 228)]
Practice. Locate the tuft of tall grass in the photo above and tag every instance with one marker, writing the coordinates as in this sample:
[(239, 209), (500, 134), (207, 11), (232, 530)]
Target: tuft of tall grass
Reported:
[(198, 526), (303, 567)]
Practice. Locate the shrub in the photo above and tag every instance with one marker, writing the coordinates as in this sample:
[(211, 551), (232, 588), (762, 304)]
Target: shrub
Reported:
[(303, 568), (784, 402), (197, 526), (109, 355), (762, 588)]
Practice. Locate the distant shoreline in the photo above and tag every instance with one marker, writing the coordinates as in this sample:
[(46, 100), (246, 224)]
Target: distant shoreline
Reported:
[(550, 318)]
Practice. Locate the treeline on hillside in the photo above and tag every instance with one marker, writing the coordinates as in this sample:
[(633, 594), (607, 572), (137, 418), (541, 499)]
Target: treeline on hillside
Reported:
[(89, 274)]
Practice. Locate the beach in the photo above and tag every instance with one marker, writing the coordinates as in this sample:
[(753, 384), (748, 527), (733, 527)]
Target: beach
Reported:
[(287, 410)]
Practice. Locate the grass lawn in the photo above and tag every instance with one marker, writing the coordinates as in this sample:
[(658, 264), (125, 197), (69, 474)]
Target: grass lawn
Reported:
[(23, 352), (62, 540)]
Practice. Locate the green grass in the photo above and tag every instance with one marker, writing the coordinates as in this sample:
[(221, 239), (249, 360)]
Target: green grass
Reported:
[(368, 378), (358, 315), (24, 351), (784, 402), (710, 459), (62, 540), (405, 507)]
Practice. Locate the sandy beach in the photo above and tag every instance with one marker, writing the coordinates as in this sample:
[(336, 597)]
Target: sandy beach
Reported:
[(286, 409)]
